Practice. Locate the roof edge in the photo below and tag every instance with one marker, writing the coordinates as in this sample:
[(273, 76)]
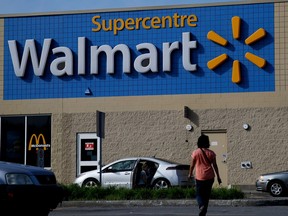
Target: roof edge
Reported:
[(138, 8)]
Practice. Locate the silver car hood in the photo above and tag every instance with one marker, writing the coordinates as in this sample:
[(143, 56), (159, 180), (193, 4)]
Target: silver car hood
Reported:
[(275, 173), (21, 168)]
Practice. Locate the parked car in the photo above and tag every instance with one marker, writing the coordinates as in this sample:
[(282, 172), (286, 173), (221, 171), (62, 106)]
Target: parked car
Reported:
[(28, 190), (123, 173), (275, 183)]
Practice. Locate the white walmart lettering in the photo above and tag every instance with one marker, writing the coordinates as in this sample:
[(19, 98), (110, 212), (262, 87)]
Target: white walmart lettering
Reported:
[(64, 56)]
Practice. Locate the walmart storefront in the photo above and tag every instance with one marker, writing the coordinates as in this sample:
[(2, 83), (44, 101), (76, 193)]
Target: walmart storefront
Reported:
[(161, 76)]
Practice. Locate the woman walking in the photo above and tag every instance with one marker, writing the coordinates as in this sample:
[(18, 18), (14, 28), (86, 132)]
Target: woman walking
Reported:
[(204, 161)]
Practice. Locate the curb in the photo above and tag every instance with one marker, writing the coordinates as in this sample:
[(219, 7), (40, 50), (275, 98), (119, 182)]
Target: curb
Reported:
[(188, 202)]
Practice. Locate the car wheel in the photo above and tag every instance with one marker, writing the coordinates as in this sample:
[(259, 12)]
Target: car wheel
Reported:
[(91, 182), (276, 188), (161, 184)]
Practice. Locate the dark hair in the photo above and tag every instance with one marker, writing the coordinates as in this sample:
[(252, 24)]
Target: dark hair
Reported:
[(203, 141)]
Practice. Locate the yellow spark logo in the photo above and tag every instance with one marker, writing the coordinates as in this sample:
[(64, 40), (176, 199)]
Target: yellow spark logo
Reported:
[(236, 71)]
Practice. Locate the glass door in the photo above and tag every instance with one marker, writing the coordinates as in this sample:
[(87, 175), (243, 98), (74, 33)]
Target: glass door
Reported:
[(88, 152)]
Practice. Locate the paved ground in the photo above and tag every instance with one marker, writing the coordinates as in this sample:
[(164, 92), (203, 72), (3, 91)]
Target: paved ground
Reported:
[(170, 211)]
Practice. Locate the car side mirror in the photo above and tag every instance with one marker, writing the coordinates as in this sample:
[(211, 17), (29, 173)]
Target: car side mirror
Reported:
[(110, 169)]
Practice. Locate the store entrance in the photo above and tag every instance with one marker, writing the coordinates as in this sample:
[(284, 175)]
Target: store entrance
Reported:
[(88, 152)]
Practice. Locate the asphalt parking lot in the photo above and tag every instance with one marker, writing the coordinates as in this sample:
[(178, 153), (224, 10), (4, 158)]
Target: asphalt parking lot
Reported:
[(170, 211)]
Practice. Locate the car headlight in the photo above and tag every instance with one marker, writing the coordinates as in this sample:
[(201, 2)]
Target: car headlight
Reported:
[(18, 179), (261, 178)]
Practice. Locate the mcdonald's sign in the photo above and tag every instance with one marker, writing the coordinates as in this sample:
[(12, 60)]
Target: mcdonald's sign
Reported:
[(36, 144)]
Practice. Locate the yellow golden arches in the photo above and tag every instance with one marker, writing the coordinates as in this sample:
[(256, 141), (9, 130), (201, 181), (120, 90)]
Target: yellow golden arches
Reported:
[(236, 74), (236, 26), (258, 61), (37, 141), (257, 35), (217, 61), (213, 36)]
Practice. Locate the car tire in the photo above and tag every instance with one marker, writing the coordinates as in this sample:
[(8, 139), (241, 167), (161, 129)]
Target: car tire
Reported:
[(161, 184), (90, 182), (276, 188)]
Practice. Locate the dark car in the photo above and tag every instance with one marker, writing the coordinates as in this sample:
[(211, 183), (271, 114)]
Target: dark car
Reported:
[(275, 183), (28, 190)]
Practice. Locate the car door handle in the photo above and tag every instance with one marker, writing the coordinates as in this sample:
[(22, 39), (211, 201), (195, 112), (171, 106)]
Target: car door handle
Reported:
[(127, 173)]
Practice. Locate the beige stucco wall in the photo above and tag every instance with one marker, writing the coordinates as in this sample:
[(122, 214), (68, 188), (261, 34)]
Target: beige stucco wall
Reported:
[(163, 133), (152, 125)]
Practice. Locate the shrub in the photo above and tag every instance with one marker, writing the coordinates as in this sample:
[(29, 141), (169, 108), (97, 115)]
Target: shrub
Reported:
[(224, 193), (74, 192)]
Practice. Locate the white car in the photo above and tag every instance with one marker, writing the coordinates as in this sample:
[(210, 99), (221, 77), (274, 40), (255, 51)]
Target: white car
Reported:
[(124, 173)]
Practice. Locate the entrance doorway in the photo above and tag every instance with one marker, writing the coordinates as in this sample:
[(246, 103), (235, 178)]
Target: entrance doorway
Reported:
[(218, 144), (88, 152)]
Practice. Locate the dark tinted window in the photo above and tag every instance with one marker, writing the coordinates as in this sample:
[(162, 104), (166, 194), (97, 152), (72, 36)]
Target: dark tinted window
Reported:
[(12, 139), (39, 141), (37, 145)]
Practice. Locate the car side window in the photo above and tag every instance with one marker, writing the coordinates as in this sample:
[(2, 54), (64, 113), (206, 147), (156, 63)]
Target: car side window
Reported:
[(122, 166)]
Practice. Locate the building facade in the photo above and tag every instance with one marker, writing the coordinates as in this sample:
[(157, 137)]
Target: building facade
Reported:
[(158, 76)]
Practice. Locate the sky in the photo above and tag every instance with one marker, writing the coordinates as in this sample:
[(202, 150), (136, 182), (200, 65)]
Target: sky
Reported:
[(36, 6)]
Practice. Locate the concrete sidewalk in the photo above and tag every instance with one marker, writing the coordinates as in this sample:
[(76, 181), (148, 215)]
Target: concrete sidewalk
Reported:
[(252, 198)]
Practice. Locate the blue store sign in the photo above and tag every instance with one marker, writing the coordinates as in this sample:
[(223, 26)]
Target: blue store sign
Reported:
[(193, 50)]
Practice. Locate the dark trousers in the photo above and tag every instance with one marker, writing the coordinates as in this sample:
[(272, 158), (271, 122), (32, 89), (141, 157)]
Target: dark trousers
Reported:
[(203, 192)]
